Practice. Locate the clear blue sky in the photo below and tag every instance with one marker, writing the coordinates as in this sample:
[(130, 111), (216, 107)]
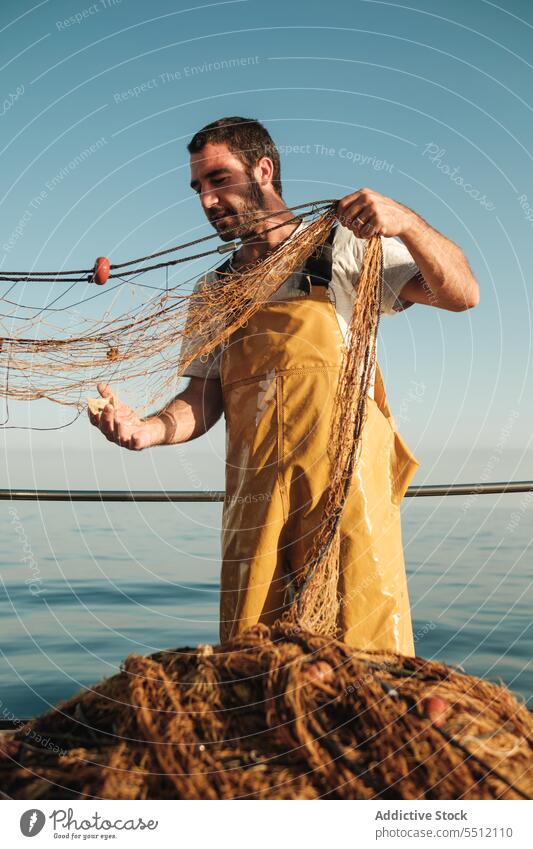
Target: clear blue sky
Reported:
[(428, 103)]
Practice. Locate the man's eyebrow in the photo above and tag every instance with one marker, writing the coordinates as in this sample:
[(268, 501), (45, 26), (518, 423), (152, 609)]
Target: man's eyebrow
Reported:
[(216, 172)]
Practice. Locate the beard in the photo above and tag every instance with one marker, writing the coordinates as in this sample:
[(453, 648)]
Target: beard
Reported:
[(232, 223)]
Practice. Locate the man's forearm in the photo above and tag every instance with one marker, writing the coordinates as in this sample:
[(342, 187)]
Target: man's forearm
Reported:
[(189, 415), (174, 424), (443, 266)]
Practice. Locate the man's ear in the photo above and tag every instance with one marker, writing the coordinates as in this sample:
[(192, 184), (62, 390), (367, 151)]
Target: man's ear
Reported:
[(264, 171)]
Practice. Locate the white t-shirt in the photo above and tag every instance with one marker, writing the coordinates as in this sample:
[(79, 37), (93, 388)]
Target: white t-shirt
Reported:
[(347, 257)]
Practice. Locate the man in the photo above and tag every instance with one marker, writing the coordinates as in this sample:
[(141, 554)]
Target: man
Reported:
[(275, 381)]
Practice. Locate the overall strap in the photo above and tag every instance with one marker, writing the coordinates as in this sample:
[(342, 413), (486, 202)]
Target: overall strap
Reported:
[(225, 268), (317, 268)]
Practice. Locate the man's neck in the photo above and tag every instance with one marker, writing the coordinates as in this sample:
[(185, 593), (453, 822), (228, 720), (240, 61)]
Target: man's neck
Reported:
[(265, 239)]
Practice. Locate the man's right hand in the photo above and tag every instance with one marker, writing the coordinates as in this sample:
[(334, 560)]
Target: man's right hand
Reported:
[(121, 425)]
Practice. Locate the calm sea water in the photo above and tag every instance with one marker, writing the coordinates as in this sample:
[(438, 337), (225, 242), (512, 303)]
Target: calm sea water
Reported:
[(113, 579)]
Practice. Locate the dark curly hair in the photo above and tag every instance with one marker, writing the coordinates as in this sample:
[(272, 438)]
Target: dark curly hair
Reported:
[(246, 138)]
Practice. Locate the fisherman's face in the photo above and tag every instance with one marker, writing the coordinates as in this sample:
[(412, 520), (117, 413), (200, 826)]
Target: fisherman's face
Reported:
[(231, 196)]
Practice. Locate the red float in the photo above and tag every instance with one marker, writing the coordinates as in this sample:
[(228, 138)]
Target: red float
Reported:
[(436, 710), (101, 271)]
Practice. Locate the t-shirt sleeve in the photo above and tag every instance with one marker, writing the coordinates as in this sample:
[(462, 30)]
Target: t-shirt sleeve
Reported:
[(398, 267), (208, 365), (348, 252)]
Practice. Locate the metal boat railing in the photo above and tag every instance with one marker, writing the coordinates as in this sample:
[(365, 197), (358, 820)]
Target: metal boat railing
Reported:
[(216, 495), (151, 496)]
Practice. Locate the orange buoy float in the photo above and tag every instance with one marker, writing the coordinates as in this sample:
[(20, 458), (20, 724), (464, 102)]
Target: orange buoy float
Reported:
[(101, 271), (435, 709)]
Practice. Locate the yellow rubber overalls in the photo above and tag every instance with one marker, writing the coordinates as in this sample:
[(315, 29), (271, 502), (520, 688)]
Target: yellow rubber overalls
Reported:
[(279, 375)]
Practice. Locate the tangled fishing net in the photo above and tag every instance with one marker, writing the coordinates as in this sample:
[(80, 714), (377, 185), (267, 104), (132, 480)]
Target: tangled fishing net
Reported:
[(288, 712), (154, 342), (277, 714)]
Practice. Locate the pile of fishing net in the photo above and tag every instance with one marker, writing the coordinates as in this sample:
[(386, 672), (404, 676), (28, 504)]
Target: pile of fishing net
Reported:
[(277, 714)]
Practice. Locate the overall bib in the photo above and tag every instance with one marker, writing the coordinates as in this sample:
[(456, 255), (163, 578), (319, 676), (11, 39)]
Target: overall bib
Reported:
[(279, 374)]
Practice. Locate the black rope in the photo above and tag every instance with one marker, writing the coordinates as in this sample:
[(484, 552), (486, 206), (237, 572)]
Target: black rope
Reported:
[(320, 203), (232, 246), (66, 276)]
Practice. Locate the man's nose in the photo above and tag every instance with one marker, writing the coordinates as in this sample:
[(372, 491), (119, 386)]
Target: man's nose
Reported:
[(208, 199)]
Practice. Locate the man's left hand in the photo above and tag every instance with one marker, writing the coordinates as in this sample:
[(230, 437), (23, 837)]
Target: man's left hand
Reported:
[(367, 213)]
